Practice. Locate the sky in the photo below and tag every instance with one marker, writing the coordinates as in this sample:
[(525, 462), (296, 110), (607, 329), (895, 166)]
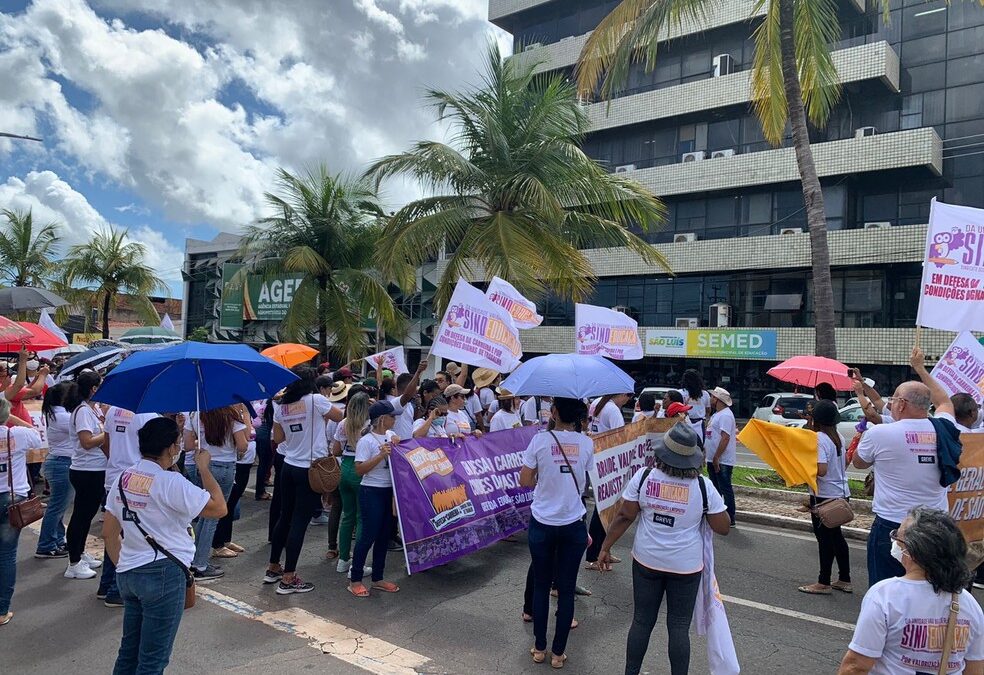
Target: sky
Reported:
[(170, 117)]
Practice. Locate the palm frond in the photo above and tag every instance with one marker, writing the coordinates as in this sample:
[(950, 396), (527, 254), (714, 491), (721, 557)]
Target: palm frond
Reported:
[(815, 28), (768, 89)]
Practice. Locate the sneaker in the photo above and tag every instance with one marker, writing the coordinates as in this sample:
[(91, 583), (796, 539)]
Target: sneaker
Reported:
[(113, 601), (79, 570), (101, 594), (395, 545), (320, 520), (343, 566), (57, 553), (979, 585), (210, 573), (366, 571), (272, 577), (93, 563), (296, 585)]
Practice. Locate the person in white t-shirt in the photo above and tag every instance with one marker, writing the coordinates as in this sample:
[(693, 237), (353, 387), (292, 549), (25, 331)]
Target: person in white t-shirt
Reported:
[(831, 484), (697, 398), (347, 435), (402, 392), (556, 463), (434, 425), (152, 497), (222, 544), (372, 455), (668, 551), (721, 446), (647, 407), (902, 626), (907, 475), (507, 416), (536, 410), (605, 413), (51, 541), (460, 421), (484, 380)]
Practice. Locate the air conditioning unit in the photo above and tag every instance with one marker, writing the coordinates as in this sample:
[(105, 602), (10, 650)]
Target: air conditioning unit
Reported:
[(719, 316), (625, 168), (863, 132), (791, 230), (531, 46), (622, 308), (695, 156), (727, 152), (877, 225), (688, 322), (723, 65), (684, 237)]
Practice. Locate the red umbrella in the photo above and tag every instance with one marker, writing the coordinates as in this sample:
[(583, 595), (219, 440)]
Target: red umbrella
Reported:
[(809, 371), (34, 337), (13, 333)]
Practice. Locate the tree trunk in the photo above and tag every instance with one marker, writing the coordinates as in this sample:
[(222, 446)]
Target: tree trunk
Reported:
[(823, 292), (322, 325), (105, 316)]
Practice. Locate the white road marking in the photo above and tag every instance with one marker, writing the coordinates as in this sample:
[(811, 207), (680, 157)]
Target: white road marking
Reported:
[(328, 637), (790, 535), (789, 612)]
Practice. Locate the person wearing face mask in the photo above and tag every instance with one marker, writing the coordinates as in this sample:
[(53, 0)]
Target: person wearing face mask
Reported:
[(902, 627), (162, 503), (435, 424), (722, 447)]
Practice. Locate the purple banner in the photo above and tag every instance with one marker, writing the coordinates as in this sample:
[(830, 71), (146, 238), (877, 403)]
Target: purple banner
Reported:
[(456, 498)]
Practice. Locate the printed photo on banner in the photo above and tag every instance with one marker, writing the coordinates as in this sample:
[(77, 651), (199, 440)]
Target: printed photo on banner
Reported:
[(952, 294), (605, 332), (961, 368), (392, 360), (476, 331), (523, 311)]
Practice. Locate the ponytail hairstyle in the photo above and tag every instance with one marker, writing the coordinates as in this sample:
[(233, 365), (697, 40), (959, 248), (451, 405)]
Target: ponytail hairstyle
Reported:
[(356, 417), (571, 411), (298, 389), (54, 397)]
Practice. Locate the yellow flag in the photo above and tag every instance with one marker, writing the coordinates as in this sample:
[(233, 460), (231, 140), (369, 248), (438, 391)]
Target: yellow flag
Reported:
[(791, 451)]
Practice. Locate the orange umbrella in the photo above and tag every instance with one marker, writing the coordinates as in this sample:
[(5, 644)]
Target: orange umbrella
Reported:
[(290, 354)]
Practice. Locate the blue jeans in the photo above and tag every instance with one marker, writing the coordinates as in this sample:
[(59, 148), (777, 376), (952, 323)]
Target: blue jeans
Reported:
[(721, 480), (556, 551), (8, 555), (107, 582), (376, 511), (153, 601), (52, 525), (225, 475), (881, 564)]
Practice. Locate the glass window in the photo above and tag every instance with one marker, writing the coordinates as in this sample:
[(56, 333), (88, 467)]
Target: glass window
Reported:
[(965, 42), (967, 70), (696, 66), (934, 107), (724, 134), (925, 18), (863, 294), (835, 206), (965, 14), (926, 78), (965, 103), (756, 208), (925, 50), (668, 69), (881, 207)]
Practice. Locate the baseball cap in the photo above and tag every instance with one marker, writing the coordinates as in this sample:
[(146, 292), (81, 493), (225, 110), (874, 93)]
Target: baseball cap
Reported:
[(454, 390), (377, 410), (675, 409)]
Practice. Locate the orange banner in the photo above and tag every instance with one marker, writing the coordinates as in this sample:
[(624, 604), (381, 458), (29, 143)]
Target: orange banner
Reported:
[(967, 495)]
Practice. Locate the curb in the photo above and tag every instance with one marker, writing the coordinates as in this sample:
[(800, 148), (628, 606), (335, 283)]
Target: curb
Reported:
[(791, 497), (787, 523)]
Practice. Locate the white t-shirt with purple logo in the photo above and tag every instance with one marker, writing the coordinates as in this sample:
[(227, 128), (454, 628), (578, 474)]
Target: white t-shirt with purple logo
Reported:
[(557, 497)]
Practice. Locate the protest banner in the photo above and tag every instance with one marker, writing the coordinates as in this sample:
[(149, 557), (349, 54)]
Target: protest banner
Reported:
[(618, 454), (605, 332), (391, 359), (961, 368), (966, 496), (952, 293), (454, 498), (476, 331), (523, 311)]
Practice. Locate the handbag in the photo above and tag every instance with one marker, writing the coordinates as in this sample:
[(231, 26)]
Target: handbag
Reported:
[(834, 512), (135, 519), (26, 511), (325, 473), (951, 626), (869, 483)]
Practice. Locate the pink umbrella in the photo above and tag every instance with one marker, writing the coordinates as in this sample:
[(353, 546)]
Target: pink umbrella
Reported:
[(809, 371)]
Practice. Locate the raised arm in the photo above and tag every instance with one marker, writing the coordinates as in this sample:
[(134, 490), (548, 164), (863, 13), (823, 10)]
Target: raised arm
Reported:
[(939, 397), (11, 392), (462, 375), (411, 391)]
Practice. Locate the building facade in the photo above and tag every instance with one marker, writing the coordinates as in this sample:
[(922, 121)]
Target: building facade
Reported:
[(909, 127)]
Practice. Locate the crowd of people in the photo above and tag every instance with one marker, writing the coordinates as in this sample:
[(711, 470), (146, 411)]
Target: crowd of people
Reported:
[(171, 485)]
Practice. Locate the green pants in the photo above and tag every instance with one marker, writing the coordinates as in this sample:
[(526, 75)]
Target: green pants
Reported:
[(349, 489)]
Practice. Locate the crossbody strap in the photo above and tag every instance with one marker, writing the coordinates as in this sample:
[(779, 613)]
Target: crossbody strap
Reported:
[(10, 467), (951, 629), (703, 492), (570, 468), (135, 519)]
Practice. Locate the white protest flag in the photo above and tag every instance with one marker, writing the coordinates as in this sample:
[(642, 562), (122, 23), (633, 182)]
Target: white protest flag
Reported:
[(710, 617), (166, 322), (961, 368), (952, 294), (476, 331), (523, 311), (391, 359), (607, 333), (49, 325)]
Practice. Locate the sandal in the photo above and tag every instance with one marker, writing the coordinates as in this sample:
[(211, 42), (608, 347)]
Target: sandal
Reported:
[(574, 624), (527, 618), (223, 552), (557, 662), (359, 590), (538, 656), (233, 546), (613, 559), (815, 589), (386, 586), (843, 586), (265, 497), (331, 554), (593, 566)]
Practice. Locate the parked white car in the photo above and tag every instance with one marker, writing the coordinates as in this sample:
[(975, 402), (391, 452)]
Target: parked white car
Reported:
[(784, 409), (850, 416)]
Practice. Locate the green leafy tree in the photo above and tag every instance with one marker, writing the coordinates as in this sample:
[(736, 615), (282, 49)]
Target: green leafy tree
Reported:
[(325, 227), (513, 195), (200, 334), (26, 251), (95, 273)]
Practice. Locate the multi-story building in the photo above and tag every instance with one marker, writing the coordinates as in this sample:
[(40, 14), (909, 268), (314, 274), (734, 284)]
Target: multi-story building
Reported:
[(909, 127)]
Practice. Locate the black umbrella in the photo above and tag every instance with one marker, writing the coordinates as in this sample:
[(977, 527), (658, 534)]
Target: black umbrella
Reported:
[(22, 298)]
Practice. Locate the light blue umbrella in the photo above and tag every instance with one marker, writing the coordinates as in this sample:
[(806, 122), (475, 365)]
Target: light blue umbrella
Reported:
[(569, 376)]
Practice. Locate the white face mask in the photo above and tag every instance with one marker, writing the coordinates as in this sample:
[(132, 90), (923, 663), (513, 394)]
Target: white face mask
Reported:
[(897, 551), (175, 458), (32, 365)]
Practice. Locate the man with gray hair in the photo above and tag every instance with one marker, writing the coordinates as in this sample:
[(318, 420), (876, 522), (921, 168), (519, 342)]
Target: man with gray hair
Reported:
[(907, 473)]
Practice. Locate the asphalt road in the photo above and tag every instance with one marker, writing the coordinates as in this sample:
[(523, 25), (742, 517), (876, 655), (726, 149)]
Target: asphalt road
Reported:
[(461, 618)]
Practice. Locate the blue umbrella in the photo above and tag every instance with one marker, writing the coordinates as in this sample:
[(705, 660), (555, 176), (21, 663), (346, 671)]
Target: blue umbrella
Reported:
[(568, 376), (192, 376), (95, 358)]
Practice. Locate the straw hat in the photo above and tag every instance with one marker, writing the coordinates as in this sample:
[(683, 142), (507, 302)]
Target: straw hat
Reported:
[(483, 377), (502, 394), (339, 391), (721, 394)]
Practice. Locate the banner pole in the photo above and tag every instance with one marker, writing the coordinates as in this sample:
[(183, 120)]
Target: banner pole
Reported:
[(918, 335)]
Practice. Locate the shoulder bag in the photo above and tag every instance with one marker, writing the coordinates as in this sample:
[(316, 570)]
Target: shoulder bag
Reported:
[(835, 512), (26, 511), (135, 519), (951, 631), (325, 473)]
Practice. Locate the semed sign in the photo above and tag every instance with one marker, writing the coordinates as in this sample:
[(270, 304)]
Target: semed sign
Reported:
[(714, 343)]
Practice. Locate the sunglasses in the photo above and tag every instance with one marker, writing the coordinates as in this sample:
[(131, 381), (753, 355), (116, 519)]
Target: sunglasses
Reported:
[(894, 536)]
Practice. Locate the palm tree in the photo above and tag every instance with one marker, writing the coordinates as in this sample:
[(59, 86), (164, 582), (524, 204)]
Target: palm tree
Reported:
[(325, 227), (793, 80), (108, 265), (25, 254), (515, 195)]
